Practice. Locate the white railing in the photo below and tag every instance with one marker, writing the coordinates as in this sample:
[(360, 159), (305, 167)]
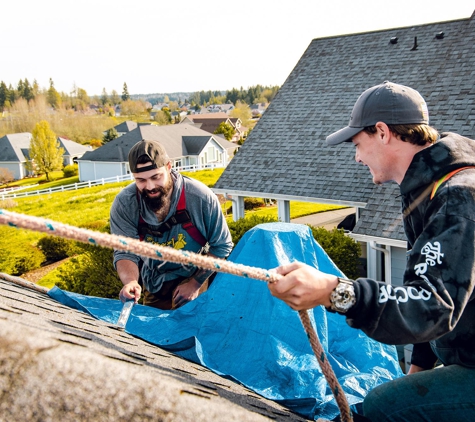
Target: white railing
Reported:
[(73, 186), (15, 188), (103, 181)]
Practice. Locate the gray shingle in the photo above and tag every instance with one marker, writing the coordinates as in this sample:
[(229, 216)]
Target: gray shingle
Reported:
[(286, 153)]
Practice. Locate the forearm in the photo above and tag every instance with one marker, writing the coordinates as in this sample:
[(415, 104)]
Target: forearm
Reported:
[(128, 271)]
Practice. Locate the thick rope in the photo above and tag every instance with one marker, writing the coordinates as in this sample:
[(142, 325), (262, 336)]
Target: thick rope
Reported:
[(169, 254)]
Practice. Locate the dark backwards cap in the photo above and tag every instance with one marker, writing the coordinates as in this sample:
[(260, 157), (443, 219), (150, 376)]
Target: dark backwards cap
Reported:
[(389, 103), (153, 150)]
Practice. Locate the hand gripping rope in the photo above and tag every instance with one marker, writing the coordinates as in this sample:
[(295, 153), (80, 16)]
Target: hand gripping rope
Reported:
[(165, 253)]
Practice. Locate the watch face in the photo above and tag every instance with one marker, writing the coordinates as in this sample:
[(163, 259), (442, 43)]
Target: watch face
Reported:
[(342, 298)]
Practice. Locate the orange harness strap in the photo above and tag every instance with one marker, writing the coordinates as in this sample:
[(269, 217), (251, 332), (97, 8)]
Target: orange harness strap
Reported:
[(445, 178)]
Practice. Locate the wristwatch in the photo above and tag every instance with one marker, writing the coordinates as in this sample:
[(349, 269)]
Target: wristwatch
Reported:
[(342, 298)]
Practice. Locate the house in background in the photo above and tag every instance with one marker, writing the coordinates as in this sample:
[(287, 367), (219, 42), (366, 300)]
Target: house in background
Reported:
[(126, 127), (14, 152), (72, 150), (287, 159), (187, 146), (211, 121)]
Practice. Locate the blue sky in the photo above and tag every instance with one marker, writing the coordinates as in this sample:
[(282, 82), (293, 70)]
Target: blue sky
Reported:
[(158, 47)]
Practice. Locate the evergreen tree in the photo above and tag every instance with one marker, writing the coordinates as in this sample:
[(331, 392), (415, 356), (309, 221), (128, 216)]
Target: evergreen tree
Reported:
[(54, 99), (44, 149), (110, 135), (125, 93), (104, 97)]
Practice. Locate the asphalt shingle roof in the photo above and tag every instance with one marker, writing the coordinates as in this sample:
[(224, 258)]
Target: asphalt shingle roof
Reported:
[(286, 153), (62, 364)]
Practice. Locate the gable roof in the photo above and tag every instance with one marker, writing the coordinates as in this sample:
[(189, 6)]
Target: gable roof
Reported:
[(62, 364), (126, 126), (72, 148), (286, 155), (170, 136), (15, 147)]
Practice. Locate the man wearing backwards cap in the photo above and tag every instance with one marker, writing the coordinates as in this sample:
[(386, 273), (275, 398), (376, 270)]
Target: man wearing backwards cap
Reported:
[(144, 207), (435, 307)]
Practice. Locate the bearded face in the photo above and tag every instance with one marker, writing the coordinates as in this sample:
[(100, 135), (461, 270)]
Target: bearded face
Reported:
[(158, 197)]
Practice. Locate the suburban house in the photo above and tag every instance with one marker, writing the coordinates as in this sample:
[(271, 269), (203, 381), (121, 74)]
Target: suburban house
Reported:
[(126, 127), (286, 157), (188, 146), (14, 152), (211, 121)]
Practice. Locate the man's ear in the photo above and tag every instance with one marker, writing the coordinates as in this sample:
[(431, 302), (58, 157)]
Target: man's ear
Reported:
[(382, 131)]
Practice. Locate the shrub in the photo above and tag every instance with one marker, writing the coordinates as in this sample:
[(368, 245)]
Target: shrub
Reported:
[(57, 248), (241, 226), (249, 204), (71, 170), (91, 273), (27, 259), (342, 249)]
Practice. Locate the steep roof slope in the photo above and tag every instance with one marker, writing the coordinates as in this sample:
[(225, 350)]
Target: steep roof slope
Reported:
[(62, 364), (15, 147), (286, 153)]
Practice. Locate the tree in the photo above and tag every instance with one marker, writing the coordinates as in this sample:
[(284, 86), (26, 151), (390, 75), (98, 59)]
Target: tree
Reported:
[(110, 135), (54, 99), (115, 99), (45, 150), (104, 97), (243, 112), (226, 129), (125, 93)]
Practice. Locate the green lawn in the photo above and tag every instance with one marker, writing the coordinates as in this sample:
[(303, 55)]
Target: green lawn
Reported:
[(89, 207)]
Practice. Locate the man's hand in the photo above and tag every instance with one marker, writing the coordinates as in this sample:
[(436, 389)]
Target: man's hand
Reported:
[(185, 293), (131, 290), (302, 286)]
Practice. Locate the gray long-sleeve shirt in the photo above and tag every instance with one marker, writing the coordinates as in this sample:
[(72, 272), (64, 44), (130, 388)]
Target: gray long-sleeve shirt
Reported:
[(206, 214)]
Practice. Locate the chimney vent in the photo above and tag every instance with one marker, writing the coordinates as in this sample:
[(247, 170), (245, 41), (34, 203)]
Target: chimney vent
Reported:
[(440, 35), (393, 40), (414, 47)]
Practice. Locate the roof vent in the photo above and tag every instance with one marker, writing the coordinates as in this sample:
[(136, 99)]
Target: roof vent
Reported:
[(393, 40), (414, 47), (440, 35)]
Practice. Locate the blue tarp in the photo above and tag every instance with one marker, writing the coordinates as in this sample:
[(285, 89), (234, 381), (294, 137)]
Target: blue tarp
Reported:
[(239, 331)]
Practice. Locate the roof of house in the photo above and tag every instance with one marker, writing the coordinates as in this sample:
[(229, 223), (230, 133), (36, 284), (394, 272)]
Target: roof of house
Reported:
[(286, 154), (178, 141), (15, 147), (62, 364), (126, 126), (73, 148)]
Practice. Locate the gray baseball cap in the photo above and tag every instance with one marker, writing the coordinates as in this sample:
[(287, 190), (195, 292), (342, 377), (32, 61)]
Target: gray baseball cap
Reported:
[(388, 102), (153, 150)]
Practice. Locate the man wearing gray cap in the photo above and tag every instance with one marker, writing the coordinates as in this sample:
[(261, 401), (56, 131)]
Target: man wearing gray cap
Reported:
[(165, 208), (435, 307)]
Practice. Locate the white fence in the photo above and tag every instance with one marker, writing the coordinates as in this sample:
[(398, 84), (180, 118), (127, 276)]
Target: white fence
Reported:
[(64, 188), (90, 183)]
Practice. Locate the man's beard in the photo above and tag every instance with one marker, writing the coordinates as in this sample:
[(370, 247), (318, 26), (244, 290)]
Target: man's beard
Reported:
[(161, 201)]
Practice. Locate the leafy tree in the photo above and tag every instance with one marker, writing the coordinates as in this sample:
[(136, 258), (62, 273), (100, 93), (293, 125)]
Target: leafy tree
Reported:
[(115, 99), (243, 112), (163, 117), (226, 129), (45, 150), (125, 93), (110, 135)]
